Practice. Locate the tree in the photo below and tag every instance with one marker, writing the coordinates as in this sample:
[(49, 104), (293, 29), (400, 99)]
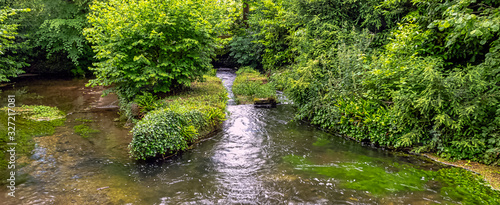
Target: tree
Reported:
[(9, 67), (153, 45)]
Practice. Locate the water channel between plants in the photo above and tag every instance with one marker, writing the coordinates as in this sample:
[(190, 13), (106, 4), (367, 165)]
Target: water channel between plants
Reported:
[(260, 156)]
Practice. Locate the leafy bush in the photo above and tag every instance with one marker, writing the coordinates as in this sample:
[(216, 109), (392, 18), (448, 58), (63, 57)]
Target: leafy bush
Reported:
[(245, 50), (429, 81), (61, 35), (165, 131), (153, 45), (146, 101), (11, 67), (84, 130), (180, 120)]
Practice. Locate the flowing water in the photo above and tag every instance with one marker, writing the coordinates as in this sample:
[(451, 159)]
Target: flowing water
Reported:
[(260, 156)]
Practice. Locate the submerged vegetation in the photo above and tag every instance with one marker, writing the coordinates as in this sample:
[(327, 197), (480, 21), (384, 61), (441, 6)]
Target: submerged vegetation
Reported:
[(31, 121), (84, 129), (367, 175), (415, 75), (42, 112)]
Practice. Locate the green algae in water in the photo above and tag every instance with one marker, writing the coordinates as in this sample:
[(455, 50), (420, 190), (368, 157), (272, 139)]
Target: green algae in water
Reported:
[(25, 129), (365, 176), (84, 130), (83, 120), (42, 112), (457, 184), (466, 187), (322, 142)]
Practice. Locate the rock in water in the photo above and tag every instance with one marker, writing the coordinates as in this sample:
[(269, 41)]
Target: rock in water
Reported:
[(264, 102)]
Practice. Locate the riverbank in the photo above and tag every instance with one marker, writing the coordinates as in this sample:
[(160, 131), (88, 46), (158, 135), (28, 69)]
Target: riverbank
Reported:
[(177, 121), (250, 84)]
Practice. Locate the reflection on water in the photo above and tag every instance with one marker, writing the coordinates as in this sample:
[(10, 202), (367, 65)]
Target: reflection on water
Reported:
[(246, 162)]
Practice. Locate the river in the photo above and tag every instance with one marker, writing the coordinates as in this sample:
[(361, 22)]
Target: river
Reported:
[(260, 156)]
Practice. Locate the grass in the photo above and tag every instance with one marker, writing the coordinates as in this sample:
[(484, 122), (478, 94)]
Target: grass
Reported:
[(250, 84)]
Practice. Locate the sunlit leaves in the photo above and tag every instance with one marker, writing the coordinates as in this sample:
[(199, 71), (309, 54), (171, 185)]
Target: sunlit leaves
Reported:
[(9, 67), (152, 44)]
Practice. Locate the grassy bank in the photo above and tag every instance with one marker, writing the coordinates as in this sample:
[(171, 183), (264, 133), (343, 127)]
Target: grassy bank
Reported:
[(250, 84), (30, 121), (175, 122)]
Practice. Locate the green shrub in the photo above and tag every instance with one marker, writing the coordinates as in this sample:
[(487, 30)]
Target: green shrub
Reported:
[(245, 50), (165, 131), (11, 66), (212, 72), (180, 121), (152, 45), (429, 83), (146, 101)]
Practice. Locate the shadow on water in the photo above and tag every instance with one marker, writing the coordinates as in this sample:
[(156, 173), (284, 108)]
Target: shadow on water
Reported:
[(261, 156)]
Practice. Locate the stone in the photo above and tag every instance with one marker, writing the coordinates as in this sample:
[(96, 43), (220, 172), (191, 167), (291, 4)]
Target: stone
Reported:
[(264, 102)]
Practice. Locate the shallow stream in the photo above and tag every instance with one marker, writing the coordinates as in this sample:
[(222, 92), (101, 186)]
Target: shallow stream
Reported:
[(260, 156)]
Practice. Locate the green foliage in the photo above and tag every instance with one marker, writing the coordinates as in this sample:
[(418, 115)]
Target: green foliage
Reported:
[(63, 34), (212, 72), (425, 75), (165, 131), (50, 36), (245, 50), (180, 120), (84, 130), (10, 66), (251, 84), (146, 101), (152, 45), (369, 175)]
